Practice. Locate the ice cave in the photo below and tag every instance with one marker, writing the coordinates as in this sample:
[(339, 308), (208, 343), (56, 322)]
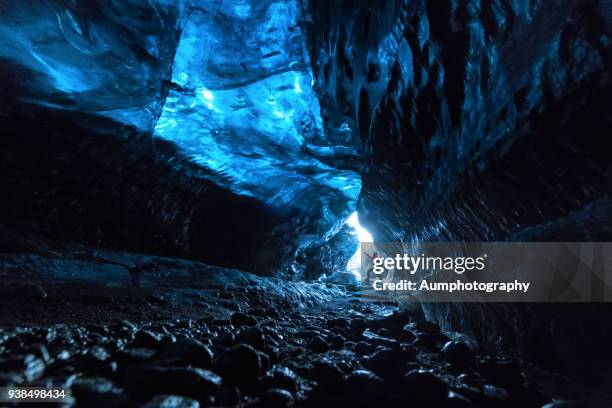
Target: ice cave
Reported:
[(187, 187)]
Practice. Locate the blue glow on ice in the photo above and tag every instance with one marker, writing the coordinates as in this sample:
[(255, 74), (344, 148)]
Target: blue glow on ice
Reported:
[(246, 109), (228, 82)]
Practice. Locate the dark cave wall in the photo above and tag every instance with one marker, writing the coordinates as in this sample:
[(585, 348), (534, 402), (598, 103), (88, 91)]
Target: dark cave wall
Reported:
[(114, 187), (479, 121), (460, 103)]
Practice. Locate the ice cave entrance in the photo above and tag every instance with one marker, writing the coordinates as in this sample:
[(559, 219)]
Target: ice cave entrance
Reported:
[(354, 264)]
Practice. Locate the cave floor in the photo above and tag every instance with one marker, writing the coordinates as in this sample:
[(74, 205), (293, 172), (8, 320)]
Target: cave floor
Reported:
[(123, 329)]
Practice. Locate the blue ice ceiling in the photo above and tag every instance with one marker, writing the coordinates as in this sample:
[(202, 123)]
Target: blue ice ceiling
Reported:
[(227, 81), (243, 105)]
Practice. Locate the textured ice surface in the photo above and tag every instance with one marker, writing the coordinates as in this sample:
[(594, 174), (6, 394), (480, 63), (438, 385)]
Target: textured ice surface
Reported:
[(243, 105), (105, 58), (228, 82)]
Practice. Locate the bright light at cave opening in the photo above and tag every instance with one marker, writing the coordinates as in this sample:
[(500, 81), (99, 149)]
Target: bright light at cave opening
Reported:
[(362, 234), (354, 264)]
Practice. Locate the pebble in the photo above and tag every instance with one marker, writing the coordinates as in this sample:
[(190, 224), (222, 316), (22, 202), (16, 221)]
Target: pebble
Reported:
[(253, 336), (172, 401), (458, 354), (240, 364), (501, 372), (456, 400), (564, 404), (326, 373), (89, 391), (227, 395), (281, 377), (383, 362), (147, 339), (358, 326), (493, 392), (224, 339), (318, 345), (362, 386), (277, 398), (190, 351), (149, 380), (407, 334), (424, 383)]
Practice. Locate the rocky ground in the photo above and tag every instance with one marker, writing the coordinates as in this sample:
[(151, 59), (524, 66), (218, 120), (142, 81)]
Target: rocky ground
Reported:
[(347, 353), (123, 330)]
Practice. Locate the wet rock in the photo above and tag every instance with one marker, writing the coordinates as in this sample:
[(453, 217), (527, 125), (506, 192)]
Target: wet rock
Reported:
[(281, 377), (190, 351), (23, 367), (407, 333), (326, 373), (339, 322), (564, 404), (384, 332), (423, 383), (228, 395), (40, 351), (357, 327), (224, 339), (98, 353), (126, 325), (425, 326), (336, 341), (90, 391), (426, 340), (240, 364), (383, 362), (253, 336), (242, 319), (277, 398), (130, 356), (98, 360), (407, 352), (396, 321), (470, 379), (387, 362), (318, 345), (474, 394), (307, 333), (144, 382), (184, 324), (363, 348), (172, 401), (502, 372), (362, 386), (147, 339), (458, 354), (456, 400), (495, 393), (266, 364)]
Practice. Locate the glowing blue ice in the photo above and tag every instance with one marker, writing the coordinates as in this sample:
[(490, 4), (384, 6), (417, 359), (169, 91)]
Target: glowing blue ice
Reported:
[(244, 107), (228, 82)]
